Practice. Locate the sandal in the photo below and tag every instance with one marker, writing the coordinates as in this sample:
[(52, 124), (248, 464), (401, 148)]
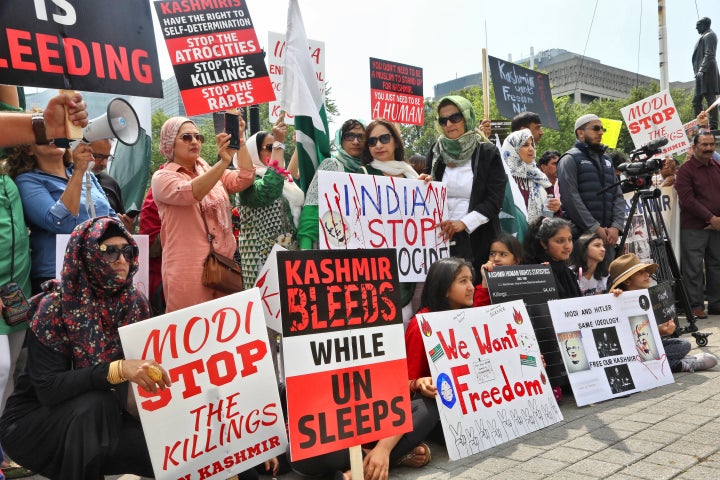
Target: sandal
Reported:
[(416, 459), (16, 471)]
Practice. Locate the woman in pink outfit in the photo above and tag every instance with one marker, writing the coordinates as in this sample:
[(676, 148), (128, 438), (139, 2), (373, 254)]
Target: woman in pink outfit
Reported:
[(187, 189)]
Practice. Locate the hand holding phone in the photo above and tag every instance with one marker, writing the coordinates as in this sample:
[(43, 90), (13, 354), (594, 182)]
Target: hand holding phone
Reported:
[(232, 126)]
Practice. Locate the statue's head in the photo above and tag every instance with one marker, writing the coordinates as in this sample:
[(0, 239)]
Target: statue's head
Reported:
[(703, 25)]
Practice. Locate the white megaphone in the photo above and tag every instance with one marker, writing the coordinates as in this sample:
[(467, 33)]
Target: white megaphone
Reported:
[(120, 121)]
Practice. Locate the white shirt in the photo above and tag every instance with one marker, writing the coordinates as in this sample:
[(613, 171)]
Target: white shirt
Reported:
[(459, 181)]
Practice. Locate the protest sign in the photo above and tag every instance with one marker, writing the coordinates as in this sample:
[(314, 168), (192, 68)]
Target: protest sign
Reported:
[(267, 282), (662, 299), (215, 53), (222, 414), (372, 211), (610, 345), (344, 349), (656, 117), (80, 45), (500, 128), (396, 92), (141, 278), (276, 64), (534, 285), (638, 237), (612, 131), (486, 365), (519, 89)]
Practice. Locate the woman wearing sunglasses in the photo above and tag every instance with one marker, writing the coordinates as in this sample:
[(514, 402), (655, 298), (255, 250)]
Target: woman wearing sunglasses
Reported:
[(519, 151), (472, 170), (187, 190), (270, 210), (58, 193), (349, 144), (69, 416)]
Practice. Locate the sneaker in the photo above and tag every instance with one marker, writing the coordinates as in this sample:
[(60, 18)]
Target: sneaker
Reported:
[(701, 361)]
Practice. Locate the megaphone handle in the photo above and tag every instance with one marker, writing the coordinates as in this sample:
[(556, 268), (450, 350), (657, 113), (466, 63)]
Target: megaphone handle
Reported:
[(73, 131)]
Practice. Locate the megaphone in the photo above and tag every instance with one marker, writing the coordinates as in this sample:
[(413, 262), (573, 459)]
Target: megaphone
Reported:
[(120, 121)]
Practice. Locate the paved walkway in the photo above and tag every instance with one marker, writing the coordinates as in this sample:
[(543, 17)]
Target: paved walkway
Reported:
[(667, 432)]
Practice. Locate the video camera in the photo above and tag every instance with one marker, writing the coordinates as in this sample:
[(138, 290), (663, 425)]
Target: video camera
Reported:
[(641, 167)]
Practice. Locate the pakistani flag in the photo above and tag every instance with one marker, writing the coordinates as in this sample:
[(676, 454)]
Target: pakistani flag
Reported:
[(513, 215), (302, 98)]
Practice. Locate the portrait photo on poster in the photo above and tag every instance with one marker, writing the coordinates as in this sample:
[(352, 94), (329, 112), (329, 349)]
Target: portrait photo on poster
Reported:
[(573, 351), (619, 378), (642, 335), (607, 342)]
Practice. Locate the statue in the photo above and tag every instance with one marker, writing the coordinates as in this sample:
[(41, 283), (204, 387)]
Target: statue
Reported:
[(707, 79)]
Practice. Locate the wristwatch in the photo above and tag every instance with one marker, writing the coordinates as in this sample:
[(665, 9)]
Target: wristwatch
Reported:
[(277, 144), (38, 126)]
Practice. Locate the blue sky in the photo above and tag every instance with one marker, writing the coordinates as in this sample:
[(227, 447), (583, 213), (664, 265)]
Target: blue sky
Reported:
[(445, 37)]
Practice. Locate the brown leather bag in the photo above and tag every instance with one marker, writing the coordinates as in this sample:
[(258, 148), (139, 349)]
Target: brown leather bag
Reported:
[(220, 272)]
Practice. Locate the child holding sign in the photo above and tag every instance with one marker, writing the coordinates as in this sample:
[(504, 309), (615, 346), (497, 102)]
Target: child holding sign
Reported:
[(629, 273)]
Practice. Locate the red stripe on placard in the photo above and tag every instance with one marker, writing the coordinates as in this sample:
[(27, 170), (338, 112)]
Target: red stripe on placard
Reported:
[(198, 48), (223, 96), (333, 410), (397, 107)]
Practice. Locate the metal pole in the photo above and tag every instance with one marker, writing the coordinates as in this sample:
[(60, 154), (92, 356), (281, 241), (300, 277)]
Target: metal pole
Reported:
[(662, 37)]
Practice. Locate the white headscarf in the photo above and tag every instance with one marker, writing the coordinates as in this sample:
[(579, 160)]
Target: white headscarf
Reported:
[(537, 181)]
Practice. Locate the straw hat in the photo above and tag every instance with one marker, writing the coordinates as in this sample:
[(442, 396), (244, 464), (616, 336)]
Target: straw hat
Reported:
[(625, 266)]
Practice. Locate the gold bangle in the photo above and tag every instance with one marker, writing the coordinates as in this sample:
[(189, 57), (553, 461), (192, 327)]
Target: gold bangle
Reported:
[(115, 375)]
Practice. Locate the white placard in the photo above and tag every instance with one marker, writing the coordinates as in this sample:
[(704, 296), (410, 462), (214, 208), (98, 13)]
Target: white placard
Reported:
[(267, 283), (656, 117)]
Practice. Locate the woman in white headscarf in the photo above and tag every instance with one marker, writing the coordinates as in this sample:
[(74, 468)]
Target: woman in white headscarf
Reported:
[(519, 154), (269, 210)]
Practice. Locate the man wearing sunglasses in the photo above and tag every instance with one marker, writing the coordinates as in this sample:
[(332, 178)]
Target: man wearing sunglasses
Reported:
[(584, 172)]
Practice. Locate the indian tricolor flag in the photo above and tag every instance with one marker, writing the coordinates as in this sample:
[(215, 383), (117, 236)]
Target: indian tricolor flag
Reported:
[(301, 97)]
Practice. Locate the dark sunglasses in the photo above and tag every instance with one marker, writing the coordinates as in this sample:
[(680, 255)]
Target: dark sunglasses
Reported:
[(100, 156), (384, 139), (454, 118), (188, 137), (268, 147), (350, 136), (597, 128), (112, 252)]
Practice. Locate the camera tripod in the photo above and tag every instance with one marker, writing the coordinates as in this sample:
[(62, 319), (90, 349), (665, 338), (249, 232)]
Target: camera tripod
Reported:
[(662, 253)]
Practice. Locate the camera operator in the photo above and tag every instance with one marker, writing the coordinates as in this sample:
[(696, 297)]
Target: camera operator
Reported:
[(584, 172), (698, 186)]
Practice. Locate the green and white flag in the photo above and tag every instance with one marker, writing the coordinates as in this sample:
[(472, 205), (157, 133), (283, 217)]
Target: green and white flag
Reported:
[(301, 97)]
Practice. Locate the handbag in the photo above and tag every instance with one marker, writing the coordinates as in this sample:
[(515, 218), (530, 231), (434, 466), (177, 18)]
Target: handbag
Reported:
[(220, 272), (15, 306)]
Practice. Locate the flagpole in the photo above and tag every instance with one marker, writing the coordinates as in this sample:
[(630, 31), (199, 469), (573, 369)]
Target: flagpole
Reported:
[(485, 85), (662, 36)]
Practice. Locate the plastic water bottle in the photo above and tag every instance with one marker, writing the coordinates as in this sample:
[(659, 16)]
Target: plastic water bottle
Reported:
[(546, 211)]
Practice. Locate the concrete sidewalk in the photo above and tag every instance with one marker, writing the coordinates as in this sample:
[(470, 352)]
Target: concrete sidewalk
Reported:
[(667, 432)]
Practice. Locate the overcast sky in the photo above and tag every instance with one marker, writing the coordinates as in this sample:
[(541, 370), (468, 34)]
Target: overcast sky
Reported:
[(445, 37)]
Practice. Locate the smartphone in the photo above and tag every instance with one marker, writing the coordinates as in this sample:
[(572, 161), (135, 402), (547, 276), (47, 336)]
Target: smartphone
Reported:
[(232, 126), (132, 213)]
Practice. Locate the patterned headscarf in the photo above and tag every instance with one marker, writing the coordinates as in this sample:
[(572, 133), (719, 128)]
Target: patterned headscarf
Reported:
[(168, 132), (537, 181), (350, 164), (79, 315), (457, 151)]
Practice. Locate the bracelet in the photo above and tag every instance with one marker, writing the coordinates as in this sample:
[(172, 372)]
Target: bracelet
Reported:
[(115, 375), (279, 145)]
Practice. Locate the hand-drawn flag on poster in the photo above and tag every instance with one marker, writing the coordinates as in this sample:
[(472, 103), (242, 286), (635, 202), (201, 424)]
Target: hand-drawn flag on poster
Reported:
[(301, 98)]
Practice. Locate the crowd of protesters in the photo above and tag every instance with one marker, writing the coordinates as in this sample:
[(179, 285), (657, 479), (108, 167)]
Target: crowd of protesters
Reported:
[(70, 415)]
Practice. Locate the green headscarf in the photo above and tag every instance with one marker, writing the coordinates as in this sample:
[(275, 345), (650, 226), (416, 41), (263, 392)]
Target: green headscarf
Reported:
[(458, 151), (350, 164)]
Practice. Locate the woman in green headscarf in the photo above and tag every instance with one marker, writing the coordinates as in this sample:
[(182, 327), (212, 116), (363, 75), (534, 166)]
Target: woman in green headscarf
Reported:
[(350, 142), (472, 170)]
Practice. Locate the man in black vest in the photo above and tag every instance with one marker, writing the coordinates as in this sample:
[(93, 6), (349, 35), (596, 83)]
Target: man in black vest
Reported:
[(707, 79), (582, 173)]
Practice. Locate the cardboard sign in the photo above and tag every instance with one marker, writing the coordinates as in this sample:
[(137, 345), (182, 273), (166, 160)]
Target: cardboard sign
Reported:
[(222, 414), (655, 117), (344, 349), (610, 345), (141, 278), (534, 285), (612, 131), (215, 53), (81, 45), (267, 282), (371, 211), (276, 64), (396, 92), (491, 383), (662, 299), (519, 89)]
